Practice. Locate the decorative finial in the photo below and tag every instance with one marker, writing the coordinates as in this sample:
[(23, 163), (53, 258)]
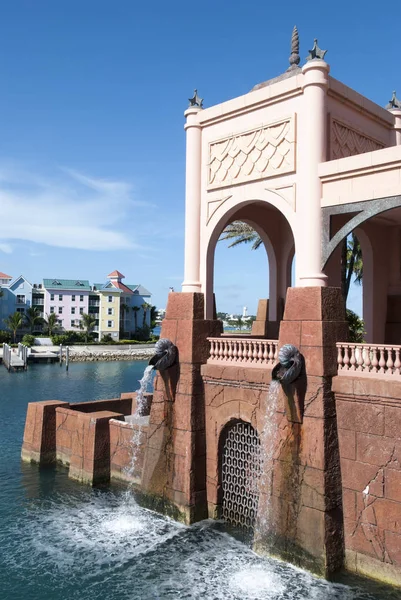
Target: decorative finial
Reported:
[(195, 100), (394, 102), (294, 58), (316, 52)]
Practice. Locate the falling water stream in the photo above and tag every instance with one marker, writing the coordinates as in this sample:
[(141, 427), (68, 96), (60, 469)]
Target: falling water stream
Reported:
[(268, 439)]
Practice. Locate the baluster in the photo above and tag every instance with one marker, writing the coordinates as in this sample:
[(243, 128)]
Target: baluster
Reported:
[(245, 351), (211, 350), (397, 362), (220, 350), (271, 353), (254, 352), (353, 358), (250, 351), (390, 362), (239, 350), (360, 358), (230, 350), (375, 362), (235, 351), (382, 361), (346, 357), (265, 352), (275, 348), (260, 353), (366, 358), (225, 351), (339, 357)]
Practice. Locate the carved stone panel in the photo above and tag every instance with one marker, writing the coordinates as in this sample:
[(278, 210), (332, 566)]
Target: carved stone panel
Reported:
[(346, 141), (264, 152)]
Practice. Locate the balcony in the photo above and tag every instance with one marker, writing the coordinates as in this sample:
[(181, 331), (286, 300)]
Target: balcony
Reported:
[(38, 302), (94, 303), (248, 352)]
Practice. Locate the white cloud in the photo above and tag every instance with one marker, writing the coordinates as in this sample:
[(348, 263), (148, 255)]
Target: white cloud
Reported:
[(7, 248), (73, 211)]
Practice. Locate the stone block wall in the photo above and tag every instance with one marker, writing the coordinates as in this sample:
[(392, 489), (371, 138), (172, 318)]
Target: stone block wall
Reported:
[(91, 438), (369, 429)]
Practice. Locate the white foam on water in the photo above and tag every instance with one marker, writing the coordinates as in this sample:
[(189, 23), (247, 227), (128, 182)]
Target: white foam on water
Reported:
[(253, 582)]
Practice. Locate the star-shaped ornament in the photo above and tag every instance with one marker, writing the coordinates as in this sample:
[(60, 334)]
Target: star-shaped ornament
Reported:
[(316, 52), (195, 100)]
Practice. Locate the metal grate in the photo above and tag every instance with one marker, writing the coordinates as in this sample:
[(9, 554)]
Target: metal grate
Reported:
[(241, 468)]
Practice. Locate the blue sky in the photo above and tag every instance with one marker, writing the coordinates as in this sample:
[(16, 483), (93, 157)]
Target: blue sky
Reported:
[(92, 143)]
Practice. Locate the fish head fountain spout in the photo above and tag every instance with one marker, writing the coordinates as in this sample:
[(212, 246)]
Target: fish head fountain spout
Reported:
[(289, 366), (290, 374), (165, 355)]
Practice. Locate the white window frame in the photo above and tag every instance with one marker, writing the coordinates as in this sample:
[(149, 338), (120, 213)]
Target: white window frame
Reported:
[(72, 297), (110, 324), (60, 310), (60, 297), (81, 297), (52, 297), (111, 299), (52, 310), (73, 310)]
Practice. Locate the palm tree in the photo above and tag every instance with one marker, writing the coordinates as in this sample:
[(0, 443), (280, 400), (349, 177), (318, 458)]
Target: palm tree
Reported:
[(51, 323), (351, 263), (87, 323), (136, 309), (33, 318), (241, 233), (14, 322), (146, 306)]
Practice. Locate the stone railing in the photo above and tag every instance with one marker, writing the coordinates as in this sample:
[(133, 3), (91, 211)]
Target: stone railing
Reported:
[(369, 359), (244, 351)]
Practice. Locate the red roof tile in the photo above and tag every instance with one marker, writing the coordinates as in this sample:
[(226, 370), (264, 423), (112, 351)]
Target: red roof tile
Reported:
[(122, 287), (116, 274), (4, 276)]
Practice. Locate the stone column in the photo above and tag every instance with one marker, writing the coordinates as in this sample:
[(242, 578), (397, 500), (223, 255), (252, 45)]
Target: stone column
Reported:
[(174, 472), (396, 137), (192, 201), (307, 501), (311, 151)]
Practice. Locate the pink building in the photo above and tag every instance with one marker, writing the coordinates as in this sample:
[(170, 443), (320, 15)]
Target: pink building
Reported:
[(68, 299)]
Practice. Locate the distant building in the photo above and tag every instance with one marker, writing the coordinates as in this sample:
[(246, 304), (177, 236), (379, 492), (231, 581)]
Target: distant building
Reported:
[(68, 299), (118, 309), (17, 297)]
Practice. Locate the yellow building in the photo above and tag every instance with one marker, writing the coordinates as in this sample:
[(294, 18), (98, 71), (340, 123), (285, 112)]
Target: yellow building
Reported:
[(109, 310)]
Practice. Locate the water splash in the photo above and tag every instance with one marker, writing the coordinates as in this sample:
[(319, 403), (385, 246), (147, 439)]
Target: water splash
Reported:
[(267, 446), (138, 421), (143, 387)]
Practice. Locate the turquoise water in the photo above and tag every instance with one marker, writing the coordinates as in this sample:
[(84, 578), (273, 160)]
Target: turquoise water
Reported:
[(60, 540)]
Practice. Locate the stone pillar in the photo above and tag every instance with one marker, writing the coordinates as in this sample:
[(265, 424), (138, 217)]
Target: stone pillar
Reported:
[(312, 145), (175, 461), (307, 497), (39, 443), (192, 201), (396, 137), (90, 447)]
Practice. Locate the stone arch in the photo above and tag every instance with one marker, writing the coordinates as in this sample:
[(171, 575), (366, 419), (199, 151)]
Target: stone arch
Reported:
[(246, 210)]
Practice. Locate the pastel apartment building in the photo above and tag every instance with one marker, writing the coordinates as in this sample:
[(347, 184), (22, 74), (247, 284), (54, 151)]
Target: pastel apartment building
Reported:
[(68, 299), (120, 307), (116, 307), (16, 296)]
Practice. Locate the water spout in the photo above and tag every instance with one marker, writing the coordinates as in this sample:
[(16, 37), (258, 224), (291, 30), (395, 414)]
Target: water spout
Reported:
[(289, 366), (165, 355)]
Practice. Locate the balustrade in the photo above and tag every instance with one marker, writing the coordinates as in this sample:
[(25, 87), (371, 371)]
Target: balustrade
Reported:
[(246, 351), (369, 359)]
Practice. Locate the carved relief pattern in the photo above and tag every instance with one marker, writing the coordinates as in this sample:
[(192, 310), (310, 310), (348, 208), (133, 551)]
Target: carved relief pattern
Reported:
[(348, 142), (256, 154)]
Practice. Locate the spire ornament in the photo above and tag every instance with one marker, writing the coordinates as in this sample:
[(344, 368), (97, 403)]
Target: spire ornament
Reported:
[(394, 102), (195, 101), (294, 58), (316, 52)]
